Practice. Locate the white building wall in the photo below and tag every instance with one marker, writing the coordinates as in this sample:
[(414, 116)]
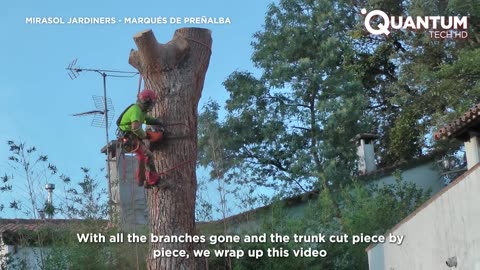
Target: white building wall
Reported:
[(366, 157), (446, 226), (22, 257), (425, 176), (4, 250), (472, 151)]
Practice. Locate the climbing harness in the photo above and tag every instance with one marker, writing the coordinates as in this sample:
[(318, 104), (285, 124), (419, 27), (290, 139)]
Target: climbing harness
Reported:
[(128, 142)]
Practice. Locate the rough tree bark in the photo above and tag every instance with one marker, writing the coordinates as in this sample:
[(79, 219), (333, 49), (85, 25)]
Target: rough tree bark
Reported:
[(176, 72)]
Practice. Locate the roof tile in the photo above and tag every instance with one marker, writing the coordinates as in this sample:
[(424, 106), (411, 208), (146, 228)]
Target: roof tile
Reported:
[(460, 125), (14, 225)]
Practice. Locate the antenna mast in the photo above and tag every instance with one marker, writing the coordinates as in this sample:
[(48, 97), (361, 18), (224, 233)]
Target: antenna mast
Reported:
[(74, 72)]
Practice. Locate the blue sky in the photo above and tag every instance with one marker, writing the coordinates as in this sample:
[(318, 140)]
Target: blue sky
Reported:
[(37, 97)]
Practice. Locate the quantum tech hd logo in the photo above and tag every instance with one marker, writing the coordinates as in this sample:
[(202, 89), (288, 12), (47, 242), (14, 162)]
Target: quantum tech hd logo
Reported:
[(439, 27)]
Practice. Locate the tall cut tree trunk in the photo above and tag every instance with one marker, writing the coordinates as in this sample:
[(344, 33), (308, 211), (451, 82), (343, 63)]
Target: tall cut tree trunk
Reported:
[(176, 72)]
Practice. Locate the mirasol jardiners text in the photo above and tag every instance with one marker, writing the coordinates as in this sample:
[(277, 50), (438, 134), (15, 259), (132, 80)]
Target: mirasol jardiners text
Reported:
[(437, 26), (128, 20), (71, 20)]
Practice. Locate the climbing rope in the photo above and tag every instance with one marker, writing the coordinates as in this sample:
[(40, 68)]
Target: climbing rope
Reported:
[(178, 166), (165, 172)]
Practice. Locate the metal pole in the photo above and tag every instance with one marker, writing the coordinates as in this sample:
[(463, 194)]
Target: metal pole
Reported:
[(104, 75), (50, 188)]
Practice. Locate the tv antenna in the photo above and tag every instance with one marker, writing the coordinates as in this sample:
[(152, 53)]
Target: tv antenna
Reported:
[(101, 115)]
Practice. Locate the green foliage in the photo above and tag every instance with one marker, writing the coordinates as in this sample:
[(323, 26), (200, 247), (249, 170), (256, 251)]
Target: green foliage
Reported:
[(35, 170), (403, 137), (353, 210), (282, 129), (32, 169), (70, 254), (372, 211), (87, 201), (324, 79), (203, 206), (12, 262), (58, 247), (49, 209)]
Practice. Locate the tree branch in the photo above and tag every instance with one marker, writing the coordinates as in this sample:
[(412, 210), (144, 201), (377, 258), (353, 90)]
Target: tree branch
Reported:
[(306, 129)]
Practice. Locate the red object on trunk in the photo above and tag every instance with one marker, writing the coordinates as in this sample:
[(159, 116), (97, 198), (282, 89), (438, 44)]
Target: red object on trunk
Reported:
[(155, 136)]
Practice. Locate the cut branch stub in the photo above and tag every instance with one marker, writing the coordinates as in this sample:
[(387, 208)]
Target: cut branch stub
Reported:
[(157, 56)]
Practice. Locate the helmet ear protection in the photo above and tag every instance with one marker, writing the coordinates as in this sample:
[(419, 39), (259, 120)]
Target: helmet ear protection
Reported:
[(148, 104)]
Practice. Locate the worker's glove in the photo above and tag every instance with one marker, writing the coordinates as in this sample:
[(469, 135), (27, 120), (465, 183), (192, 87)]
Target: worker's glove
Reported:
[(154, 136)]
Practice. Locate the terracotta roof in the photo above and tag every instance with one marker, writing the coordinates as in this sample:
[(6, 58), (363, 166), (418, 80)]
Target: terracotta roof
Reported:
[(15, 225), (469, 121), (19, 231)]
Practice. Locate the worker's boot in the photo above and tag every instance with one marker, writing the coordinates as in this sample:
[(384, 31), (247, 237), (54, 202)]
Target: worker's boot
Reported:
[(155, 179), (142, 159), (151, 175), (152, 178)]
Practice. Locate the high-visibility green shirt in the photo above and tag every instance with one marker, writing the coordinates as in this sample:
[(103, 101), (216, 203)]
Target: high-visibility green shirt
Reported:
[(134, 113)]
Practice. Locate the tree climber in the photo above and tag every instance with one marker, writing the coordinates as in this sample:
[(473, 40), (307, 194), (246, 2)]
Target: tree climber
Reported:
[(131, 134)]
